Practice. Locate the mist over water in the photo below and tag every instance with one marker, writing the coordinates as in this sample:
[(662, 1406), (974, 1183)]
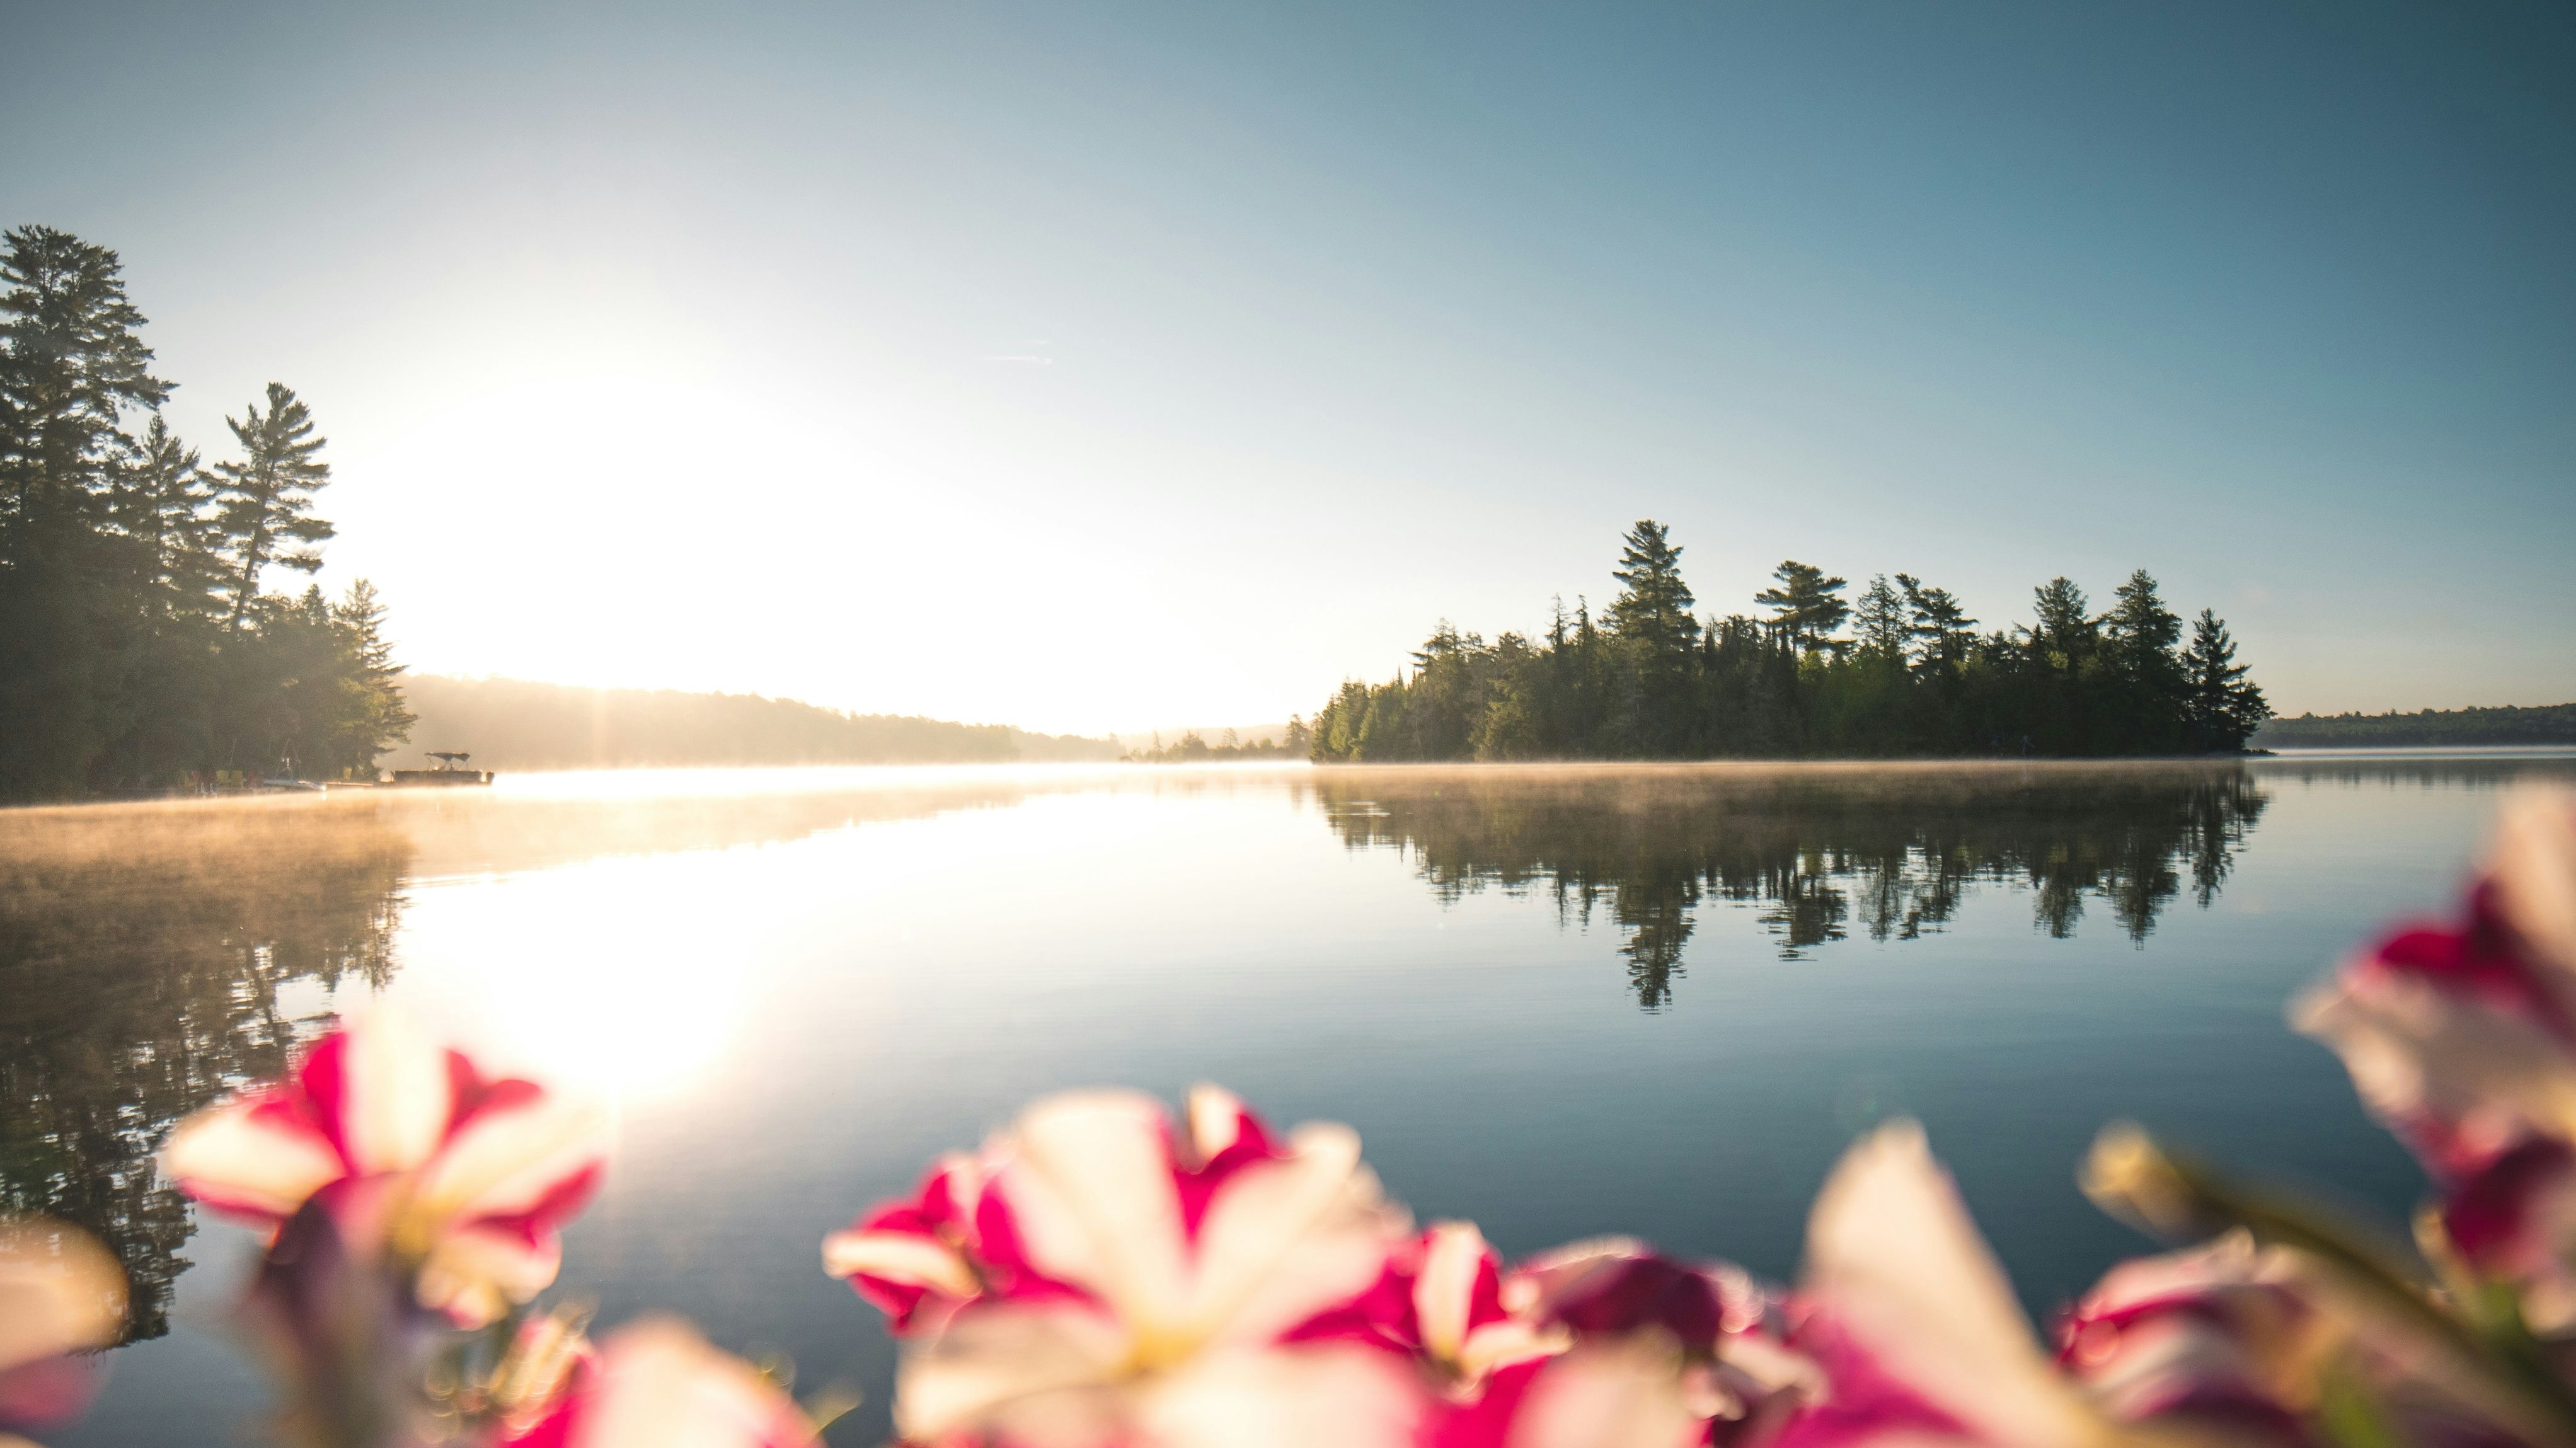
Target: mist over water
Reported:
[(1568, 1000)]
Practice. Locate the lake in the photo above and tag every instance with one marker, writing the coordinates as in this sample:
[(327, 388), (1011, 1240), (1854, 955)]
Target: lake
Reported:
[(1656, 999)]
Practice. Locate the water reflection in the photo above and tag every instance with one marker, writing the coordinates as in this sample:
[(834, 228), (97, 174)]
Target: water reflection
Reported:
[(148, 960), (154, 957), (1890, 852)]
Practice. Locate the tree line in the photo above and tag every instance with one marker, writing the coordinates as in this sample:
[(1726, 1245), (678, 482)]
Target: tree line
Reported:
[(1898, 670), (2437, 728), (140, 645), (516, 724)]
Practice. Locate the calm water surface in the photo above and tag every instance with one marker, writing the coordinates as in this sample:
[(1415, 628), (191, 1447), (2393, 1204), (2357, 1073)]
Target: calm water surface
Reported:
[(1562, 1002)]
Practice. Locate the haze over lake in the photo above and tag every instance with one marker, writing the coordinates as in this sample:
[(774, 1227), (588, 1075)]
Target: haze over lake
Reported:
[(1567, 1000)]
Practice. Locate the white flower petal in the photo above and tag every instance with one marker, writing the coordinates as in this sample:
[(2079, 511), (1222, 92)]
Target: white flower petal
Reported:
[(2414, 1048), (396, 1097), (1033, 1373), (1216, 1120), (506, 1160), (1089, 1181), (476, 1276), (2534, 868), (1891, 1251), (59, 1292), (1286, 1239), (1443, 1291), (1623, 1393), (898, 1257), (661, 1386), (242, 1159), (1344, 1396)]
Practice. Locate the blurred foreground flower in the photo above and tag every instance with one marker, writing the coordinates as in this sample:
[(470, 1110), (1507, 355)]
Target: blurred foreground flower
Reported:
[(1100, 1275), (61, 1296), (1912, 1321), (2461, 1038), (652, 1384), (1636, 1350), (1104, 1276), (457, 1182)]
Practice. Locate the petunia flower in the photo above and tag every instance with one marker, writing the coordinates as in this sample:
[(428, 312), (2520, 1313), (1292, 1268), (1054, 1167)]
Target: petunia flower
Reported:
[(468, 1179), (917, 1260), (1461, 1323), (2218, 1338), (652, 1384), (2461, 1037), (61, 1296), (1633, 1350), (1144, 1284)]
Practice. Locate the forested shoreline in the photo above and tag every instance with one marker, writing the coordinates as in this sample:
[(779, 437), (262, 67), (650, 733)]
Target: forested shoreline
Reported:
[(139, 648), (1913, 677), (2429, 728), (517, 724)]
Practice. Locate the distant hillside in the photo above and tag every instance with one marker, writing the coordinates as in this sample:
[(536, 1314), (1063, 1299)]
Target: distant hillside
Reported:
[(2544, 724), (515, 725)]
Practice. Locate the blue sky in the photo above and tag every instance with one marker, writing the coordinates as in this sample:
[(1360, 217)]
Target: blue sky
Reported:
[(1105, 366)]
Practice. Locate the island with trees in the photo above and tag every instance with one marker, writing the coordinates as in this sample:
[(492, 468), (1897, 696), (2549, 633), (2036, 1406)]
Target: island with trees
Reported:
[(1912, 677)]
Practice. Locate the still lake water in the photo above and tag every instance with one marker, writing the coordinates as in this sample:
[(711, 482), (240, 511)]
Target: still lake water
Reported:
[(1653, 999)]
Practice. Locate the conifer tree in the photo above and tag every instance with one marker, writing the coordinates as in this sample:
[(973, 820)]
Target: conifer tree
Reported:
[(265, 501), (1804, 604), (1940, 625), (1655, 606), (1880, 620), (160, 504), (2222, 707), (2066, 633), (71, 360)]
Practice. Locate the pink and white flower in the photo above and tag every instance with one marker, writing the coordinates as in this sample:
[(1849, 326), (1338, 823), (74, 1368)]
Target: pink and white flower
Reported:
[(652, 1384), (2462, 1038), (469, 1179), (1637, 1351), (918, 1260), (2218, 1337), (1147, 1285)]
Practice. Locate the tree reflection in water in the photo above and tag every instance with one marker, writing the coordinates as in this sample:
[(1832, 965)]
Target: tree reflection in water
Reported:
[(145, 960), (153, 957), (1891, 851)]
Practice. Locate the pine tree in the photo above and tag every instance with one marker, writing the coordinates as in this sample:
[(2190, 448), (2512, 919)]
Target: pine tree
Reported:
[(2221, 707), (265, 501), (160, 504), (1804, 606), (1655, 606), (2142, 632), (1940, 625), (1880, 620), (2065, 635), (2140, 636), (71, 360)]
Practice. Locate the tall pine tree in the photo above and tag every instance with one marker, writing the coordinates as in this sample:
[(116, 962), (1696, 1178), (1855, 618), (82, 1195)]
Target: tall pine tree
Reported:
[(264, 503)]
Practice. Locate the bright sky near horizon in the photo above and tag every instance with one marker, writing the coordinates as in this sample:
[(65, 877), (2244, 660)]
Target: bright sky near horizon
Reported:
[(1101, 366)]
